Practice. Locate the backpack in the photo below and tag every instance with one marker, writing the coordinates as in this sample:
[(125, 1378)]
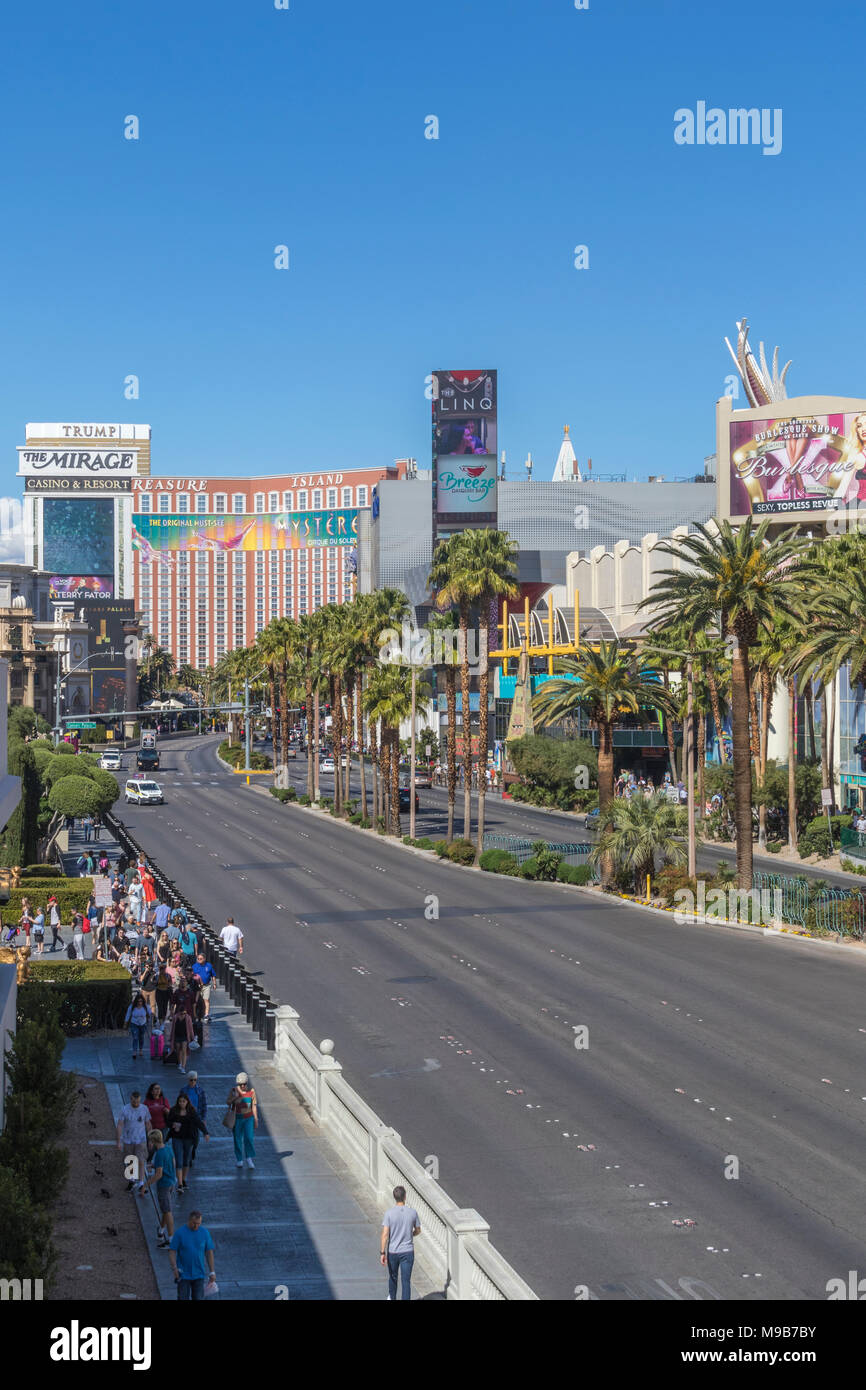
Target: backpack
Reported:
[(71, 953), (185, 937)]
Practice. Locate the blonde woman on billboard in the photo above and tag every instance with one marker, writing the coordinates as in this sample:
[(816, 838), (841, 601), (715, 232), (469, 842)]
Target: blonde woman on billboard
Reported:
[(854, 460)]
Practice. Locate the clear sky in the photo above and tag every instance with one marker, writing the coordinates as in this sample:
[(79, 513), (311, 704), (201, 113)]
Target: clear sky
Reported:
[(305, 127)]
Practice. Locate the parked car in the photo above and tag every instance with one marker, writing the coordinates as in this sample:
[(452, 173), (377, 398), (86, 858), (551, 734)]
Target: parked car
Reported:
[(590, 820)]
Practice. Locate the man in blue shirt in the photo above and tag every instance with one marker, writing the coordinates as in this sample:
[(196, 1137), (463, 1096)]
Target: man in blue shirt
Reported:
[(165, 1177), (206, 973), (161, 915), (191, 1255)]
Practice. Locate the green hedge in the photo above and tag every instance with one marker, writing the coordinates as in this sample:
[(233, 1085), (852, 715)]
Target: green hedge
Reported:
[(72, 896), (498, 861), (574, 873), (93, 994), (42, 871)]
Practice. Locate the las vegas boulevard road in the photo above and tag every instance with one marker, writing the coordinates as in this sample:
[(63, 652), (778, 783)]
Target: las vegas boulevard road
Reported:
[(711, 1052)]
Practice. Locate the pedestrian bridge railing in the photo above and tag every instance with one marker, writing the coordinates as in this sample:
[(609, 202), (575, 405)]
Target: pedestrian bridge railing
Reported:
[(454, 1247)]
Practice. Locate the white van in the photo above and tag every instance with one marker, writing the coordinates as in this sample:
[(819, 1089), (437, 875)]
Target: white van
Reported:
[(143, 793)]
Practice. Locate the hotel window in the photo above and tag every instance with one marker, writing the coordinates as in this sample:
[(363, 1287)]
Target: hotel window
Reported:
[(332, 497), (239, 503), (287, 501), (347, 497), (260, 501), (144, 503), (183, 502), (201, 502), (164, 502), (302, 501), (220, 502), (273, 502), (317, 500), (362, 497)]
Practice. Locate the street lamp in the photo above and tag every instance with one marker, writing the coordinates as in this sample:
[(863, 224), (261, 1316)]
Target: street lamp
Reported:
[(690, 751), (65, 677)]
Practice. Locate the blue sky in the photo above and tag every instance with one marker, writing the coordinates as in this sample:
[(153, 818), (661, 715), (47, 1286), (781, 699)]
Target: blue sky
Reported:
[(305, 127)]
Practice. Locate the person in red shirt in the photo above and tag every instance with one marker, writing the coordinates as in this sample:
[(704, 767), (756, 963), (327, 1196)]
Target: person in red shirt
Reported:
[(157, 1105)]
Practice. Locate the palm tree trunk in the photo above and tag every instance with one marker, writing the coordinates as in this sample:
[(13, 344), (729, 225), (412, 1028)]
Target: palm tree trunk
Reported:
[(467, 722), (740, 692), (359, 719), (792, 764), (394, 736), (308, 690), (754, 725), (831, 744), (702, 758), (717, 715), (669, 730), (272, 722), (284, 714), (825, 766), (484, 689), (316, 746), (337, 739), (605, 790), (451, 704), (350, 729), (766, 711), (374, 762), (385, 791), (809, 699)]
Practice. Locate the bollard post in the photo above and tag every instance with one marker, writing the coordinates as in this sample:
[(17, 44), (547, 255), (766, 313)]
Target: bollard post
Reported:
[(271, 1030)]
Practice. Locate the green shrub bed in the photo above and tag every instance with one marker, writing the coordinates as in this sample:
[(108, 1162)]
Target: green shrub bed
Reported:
[(92, 994)]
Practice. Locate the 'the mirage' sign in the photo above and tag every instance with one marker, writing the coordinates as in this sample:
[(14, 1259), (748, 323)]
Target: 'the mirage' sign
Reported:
[(117, 462)]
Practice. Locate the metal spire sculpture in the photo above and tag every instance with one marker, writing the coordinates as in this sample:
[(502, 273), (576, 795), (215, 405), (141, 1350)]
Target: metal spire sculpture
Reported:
[(762, 386)]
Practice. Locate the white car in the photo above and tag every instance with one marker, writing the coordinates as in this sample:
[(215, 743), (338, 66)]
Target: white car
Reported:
[(111, 762), (327, 765), (143, 793)]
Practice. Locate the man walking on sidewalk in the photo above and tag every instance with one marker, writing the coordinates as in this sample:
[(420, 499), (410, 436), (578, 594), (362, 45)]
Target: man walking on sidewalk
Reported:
[(400, 1226), (232, 938), (165, 1177), (133, 1127), (190, 1246)]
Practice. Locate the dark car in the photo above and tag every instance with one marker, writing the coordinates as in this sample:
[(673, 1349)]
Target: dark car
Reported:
[(147, 760), (405, 798)]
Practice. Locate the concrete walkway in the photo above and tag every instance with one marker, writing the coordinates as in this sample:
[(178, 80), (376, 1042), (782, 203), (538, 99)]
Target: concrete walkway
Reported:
[(298, 1226)]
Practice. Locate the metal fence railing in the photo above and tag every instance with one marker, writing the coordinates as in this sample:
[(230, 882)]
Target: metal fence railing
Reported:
[(522, 849), (809, 903)]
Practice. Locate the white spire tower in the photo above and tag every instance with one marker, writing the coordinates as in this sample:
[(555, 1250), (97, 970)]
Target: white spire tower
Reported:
[(567, 469)]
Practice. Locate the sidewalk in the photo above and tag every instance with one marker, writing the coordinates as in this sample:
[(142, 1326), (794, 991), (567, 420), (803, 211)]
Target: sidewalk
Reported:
[(297, 1226)]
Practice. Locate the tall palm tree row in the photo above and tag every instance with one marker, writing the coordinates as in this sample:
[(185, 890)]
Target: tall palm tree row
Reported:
[(740, 582)]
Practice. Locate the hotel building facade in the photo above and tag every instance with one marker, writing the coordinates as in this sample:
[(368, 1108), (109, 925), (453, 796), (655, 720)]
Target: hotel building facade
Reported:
[(216, 559)]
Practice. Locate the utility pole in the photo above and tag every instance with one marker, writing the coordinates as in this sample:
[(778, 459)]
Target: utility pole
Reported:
[(247, 729), (412, 760), (690, 765)]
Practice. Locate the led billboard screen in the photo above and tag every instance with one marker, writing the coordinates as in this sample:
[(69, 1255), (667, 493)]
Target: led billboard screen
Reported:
[(78, 535), (154, 535)]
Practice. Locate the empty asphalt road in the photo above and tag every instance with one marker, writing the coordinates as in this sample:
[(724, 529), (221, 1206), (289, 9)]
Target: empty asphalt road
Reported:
[(722, 1084)]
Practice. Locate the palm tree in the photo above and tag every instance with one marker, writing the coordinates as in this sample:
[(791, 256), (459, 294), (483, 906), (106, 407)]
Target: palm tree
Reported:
[(446, 623), (161, 666), (475, 568), (606, 684), (388, 698), (188, 677), (379, 612), (271, 648), (639, 829), (738, 582)]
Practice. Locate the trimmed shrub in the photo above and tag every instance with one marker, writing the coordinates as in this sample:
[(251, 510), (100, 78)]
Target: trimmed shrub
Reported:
[(441, 848), (461, 852), (529, 868), (76, 796), (26, 1251), (773, 846), (304, 800), (498, 861), (424, 843), (290, 794), (72, 895), (548, 860), (574, 873), (90, 994), (42, 871)]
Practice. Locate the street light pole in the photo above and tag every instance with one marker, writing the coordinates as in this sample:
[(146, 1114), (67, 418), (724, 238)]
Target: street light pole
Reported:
[(412, 761), (690, 774)]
